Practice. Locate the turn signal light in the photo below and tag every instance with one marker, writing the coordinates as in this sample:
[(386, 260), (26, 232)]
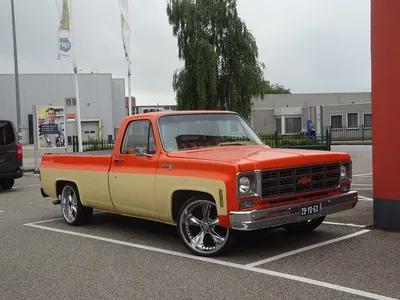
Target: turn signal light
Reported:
[(247, 204), (345, 188)]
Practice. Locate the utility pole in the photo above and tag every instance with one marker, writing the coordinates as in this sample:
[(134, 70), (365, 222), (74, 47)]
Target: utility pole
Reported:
[(17, 97)]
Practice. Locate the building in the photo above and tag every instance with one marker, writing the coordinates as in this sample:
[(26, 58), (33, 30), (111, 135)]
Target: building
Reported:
[(102, 101), (348, 113), (140, 109)]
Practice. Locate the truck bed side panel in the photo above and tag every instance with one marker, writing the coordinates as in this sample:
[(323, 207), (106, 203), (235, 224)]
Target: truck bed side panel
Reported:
[(88, 172)]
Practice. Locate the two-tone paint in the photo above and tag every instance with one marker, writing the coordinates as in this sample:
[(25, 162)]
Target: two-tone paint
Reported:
[(146, 186)]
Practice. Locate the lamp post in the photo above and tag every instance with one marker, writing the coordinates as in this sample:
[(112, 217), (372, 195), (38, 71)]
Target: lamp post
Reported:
[(17, 97)]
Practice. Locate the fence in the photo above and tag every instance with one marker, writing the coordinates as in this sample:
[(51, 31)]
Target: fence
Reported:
[(353, 134), (92, 144), (298, 141), (273, 140)]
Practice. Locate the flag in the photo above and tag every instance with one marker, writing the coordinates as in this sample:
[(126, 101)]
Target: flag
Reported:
[(125, 29), (64, 30)]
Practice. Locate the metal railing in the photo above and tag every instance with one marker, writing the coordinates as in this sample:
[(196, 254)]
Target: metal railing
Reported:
[(298, 141), (360, 133), (273, 140)]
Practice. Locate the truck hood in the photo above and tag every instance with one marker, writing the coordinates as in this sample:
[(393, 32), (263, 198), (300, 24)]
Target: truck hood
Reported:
[(261, 157)]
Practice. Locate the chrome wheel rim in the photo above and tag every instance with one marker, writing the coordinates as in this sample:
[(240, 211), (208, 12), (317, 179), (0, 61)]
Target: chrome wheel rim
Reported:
[(200, 228), (69, 204)]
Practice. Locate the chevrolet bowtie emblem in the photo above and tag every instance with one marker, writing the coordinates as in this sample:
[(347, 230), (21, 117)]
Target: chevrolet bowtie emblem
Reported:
[(304, 180)]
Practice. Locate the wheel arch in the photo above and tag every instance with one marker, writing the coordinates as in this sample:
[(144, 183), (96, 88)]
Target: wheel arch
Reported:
[(179, 197)]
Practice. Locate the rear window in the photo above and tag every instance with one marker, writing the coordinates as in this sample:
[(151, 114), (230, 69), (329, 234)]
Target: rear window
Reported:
[(7, 134)]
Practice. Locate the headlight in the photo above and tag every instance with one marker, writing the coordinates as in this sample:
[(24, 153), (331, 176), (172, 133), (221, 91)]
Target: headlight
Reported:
[(244, 185), (343, 172)]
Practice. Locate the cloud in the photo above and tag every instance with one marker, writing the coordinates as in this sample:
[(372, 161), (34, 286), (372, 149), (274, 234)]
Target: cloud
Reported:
[(308, 46)]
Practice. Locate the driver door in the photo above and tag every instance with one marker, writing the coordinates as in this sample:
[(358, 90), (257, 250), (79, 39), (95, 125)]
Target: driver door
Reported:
[(132, 174)]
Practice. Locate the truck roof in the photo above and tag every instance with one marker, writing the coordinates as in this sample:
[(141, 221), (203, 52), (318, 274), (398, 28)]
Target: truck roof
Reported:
[(181, 112)]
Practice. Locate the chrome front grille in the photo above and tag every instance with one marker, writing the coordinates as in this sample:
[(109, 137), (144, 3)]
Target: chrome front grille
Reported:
[(299, 180)]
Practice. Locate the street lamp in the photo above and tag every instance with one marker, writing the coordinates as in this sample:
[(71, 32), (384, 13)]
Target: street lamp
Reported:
[(16, 72)]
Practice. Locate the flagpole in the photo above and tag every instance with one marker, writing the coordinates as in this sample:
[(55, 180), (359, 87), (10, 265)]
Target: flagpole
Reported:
[(129, 89), (124, 8), (78, 106)]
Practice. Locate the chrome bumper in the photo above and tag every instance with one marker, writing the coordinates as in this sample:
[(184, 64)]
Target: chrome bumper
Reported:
[(285, 214)]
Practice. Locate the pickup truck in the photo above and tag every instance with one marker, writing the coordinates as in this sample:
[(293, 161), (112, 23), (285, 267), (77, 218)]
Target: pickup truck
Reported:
[(206, 172)]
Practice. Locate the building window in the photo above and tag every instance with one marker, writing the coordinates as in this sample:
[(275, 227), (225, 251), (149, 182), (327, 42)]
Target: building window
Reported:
[(293, 125), (367, 121), (278, 125), (336, 121), (352, 120), (70, 101)]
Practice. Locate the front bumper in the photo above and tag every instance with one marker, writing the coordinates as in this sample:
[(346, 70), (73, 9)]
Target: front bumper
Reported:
[(277, 216)]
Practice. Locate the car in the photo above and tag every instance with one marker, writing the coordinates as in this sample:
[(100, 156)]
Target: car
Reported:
[(11, 156), (206, 172)]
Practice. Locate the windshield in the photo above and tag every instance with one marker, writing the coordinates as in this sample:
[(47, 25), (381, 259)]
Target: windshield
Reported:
[(193, 131)]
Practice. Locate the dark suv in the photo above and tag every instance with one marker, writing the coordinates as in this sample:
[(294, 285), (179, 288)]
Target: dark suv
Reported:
[(10, 155)]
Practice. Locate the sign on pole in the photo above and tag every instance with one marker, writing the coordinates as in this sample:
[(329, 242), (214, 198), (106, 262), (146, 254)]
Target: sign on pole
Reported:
[(64, 31), (50, 127)]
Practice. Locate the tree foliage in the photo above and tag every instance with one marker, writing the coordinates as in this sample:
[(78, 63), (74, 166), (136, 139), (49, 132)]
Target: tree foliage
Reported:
[(221, 68), (276, 89)]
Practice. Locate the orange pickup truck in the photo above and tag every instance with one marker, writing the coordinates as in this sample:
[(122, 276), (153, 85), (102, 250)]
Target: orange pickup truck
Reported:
[(207, 172)]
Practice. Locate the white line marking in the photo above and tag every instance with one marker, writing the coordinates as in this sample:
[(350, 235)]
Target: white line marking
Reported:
[(223, 263), (1, 211), (25, 186), (297, 251), (362, 184), (344, 224), (363, 175), (58, 219), (363, 189), (365, 198)]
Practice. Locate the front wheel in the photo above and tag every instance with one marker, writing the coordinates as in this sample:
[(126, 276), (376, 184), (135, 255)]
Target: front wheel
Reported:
[(7, 184), (306, 226), (198, 227), (73, 211)]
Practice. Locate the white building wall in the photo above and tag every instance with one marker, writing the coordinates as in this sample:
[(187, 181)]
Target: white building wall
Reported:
[(101, 97)]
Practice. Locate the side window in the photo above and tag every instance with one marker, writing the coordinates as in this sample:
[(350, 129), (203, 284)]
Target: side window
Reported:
[(139, 138)]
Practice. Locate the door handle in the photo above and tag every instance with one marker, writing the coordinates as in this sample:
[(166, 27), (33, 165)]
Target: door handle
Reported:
[(117, 159)]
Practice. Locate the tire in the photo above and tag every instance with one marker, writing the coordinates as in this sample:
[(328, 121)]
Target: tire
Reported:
[(73, 211), (203, 237), (306, 226), (7, 184)]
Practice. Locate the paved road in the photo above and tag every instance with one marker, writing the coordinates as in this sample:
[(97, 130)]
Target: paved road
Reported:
[(124, 258)]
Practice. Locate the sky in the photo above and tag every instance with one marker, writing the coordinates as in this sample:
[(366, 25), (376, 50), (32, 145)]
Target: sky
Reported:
[(309, 46)]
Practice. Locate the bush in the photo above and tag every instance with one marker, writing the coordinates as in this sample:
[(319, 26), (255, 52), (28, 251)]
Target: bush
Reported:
[(93, 144)]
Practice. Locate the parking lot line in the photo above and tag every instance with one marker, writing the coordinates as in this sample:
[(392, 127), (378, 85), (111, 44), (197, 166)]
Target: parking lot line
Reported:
[(1, 211), (362, 184), (363, 175), (344, 224), (222, 263), (365, 198), (25, 186), (297, 251)]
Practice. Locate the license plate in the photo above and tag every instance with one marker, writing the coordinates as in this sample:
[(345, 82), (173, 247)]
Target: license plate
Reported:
[(309, 210)]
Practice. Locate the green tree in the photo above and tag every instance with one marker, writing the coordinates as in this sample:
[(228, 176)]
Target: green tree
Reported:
[(221, 68), (276, 89)]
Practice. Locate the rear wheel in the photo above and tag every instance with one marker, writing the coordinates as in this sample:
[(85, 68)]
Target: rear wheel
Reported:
[(73, 211), (306, 226), (198, 227), (7, 184)]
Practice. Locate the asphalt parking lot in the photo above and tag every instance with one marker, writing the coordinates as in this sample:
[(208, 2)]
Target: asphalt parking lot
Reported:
[(118, 257)]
